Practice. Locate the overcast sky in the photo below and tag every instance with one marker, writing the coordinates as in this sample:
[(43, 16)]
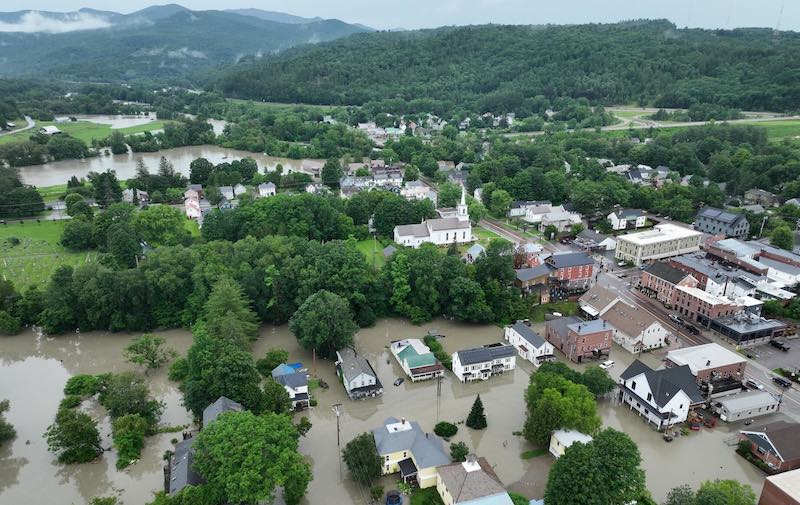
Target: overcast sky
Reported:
[(432, 13)]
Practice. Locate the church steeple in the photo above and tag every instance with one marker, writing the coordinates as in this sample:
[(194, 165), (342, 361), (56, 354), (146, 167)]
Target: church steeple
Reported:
[(463, 211)]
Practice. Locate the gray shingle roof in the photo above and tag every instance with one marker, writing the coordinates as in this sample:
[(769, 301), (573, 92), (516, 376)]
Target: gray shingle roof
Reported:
[(665, 383), (447, 223), (415, 230), (666, 272), (781, 438), (180, 465), (353, 364), (527, 333), (427, 448), (485, 353), (219, 407), (526, 274), (571, 259), (465, 487), (293, 380)]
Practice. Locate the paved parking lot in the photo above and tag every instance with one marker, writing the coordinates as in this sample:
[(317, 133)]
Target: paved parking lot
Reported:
[(772, 357)]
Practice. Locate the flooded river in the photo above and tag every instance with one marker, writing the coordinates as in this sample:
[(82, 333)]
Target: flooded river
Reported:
[(59, 172), (33, 372)]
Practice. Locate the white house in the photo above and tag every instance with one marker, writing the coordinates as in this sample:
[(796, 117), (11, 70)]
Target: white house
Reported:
[(239, 190), (358, 376), (416, 359), (561, 440), (520, 207), (295, 383), (663, 397), (622, 219), (529, 345), (266, 189), (440, 231), (634, 329), (597, 301), (559, 218), (227, 192), (481, 363), (534, 212)]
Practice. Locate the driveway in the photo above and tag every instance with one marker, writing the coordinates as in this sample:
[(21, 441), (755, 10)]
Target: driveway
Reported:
[(31, 124)]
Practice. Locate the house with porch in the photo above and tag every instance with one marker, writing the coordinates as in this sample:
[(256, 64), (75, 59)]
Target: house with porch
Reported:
[(416, 359), (405, 448), (481, 363), (295, 382), (663, 397), (529, 345), (358, 376)]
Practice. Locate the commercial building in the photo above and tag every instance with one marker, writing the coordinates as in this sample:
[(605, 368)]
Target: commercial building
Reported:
[(405, 448), (481, 363), (660, 279), (580, 340), (663, 241), (746, 405), (720, 222), (746, 328), (702, 307), (709, 363), (635, 330), (529, 345), (663, 397), (597, 301), (572, 269), (781, 489)]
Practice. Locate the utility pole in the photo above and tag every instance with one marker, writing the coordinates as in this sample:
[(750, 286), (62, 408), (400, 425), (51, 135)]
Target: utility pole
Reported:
[(763, 222), (338, 413), (438, 395)]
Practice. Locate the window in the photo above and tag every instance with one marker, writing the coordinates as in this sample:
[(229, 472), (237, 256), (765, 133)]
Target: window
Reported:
[(633, 384), (649, 397)]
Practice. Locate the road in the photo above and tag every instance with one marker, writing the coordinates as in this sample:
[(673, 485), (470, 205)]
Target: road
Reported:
[(31, 124), (517, 237)]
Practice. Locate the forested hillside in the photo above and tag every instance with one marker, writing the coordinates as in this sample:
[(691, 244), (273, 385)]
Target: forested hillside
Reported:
[(502, 68)]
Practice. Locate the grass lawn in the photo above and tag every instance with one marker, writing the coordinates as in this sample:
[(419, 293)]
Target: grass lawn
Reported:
[(566, 308), (192, 226), (282, 106), (50, 193), (84, 130), (427, 496), (36, 257), (367, 246), (777, 130), (630, 114)]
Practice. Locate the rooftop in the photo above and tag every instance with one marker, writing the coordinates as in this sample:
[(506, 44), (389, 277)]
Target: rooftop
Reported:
[(629, 213), (748, 400), (597, 299), (779, 266), (629, 320), (745, 323), (782, 436), (527, 333), (788, 482), (447, 223), (587, 327), (471, 481), (719, 215), (666, 272), (401, 435), (219, 407), (703, 357), (526, 274), (353, 364), (180, 464), (569, 437), (704, 296), (665, 383), (570, 259), (659, 233), (485, 353), (414, 230), (736, 247)]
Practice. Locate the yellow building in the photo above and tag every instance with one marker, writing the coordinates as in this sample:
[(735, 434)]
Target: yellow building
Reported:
[(471, 482), (405, 448)]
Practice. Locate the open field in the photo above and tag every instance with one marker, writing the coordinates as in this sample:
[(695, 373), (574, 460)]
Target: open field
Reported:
[(778, 129), (84, 130), (38, 254), (367, 247), (282, 106)]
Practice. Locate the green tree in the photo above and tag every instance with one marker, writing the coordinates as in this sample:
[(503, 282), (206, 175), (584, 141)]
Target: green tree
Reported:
[(597, 381), (276, 398), (332, 173), (362, 459), (583, 474), (449, 194), (553, 403), (680, 495), (227, 313), (782, 237), (123, 244), (323, 322), (476, 418), (149, 351), (128, 434), (74, 437), (274, 357), (459, 451), (128, 393), (410, 173), (77, 235), (729, 492), (7, 432), (500, 203), (246, 457), (161, 225)]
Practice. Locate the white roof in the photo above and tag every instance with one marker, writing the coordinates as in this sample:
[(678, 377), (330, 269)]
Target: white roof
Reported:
[(705, 296), (660, 233), (703, 357), (748, 400), (569, 437), (788, 482)]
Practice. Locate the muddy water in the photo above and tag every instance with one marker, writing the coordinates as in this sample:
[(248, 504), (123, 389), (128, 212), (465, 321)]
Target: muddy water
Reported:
[(33, 372), (59, 172)]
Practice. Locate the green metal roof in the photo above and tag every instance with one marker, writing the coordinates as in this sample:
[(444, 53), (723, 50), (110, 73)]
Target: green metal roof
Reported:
[(415, 360)]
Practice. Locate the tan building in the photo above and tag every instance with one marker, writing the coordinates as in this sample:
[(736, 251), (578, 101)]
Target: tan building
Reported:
[(597, 301), (781, 489), (663, 241), (634, 329), (470, 482)]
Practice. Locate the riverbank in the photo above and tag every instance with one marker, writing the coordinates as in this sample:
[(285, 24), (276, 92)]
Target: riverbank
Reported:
[(38, 367)]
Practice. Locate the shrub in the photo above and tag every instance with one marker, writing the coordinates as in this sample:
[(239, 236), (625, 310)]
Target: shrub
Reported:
[(128, 434), (70, 402), (82, 385), (376, 492), (439, 352), (9, 325), (178, 370), (459, 451), (445, 429), (313, 402)]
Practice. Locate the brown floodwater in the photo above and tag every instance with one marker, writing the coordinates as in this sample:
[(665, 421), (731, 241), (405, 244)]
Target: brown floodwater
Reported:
[(59, 172), (33, 371)]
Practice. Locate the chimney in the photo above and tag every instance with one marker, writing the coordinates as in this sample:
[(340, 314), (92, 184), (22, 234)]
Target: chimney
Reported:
[(471, 458), (402, 420), (708, 363)]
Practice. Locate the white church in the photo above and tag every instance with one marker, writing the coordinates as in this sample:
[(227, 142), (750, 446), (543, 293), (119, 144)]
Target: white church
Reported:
[(453, 225)]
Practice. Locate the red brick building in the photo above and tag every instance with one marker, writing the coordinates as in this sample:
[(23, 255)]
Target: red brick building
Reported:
[(572, 269), (580, 340), (777, 444), (698, 305), (660, 279), (783, 489)]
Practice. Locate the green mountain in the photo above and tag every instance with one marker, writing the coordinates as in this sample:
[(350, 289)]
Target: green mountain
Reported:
[(163, 43), (502, 68)]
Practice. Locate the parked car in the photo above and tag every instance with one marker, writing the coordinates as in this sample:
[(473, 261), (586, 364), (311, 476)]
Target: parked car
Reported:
[(620, 263), (753, 384), (779, 345), (398, 381), (691, 329), (605, 365), (676, 319), (784, 383)]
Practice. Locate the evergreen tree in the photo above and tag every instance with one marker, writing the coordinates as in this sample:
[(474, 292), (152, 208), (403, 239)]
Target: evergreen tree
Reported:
[(477, 419)]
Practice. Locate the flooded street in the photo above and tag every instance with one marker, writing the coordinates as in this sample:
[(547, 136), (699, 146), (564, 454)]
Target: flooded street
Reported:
[(59, 172), (33, 372)]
